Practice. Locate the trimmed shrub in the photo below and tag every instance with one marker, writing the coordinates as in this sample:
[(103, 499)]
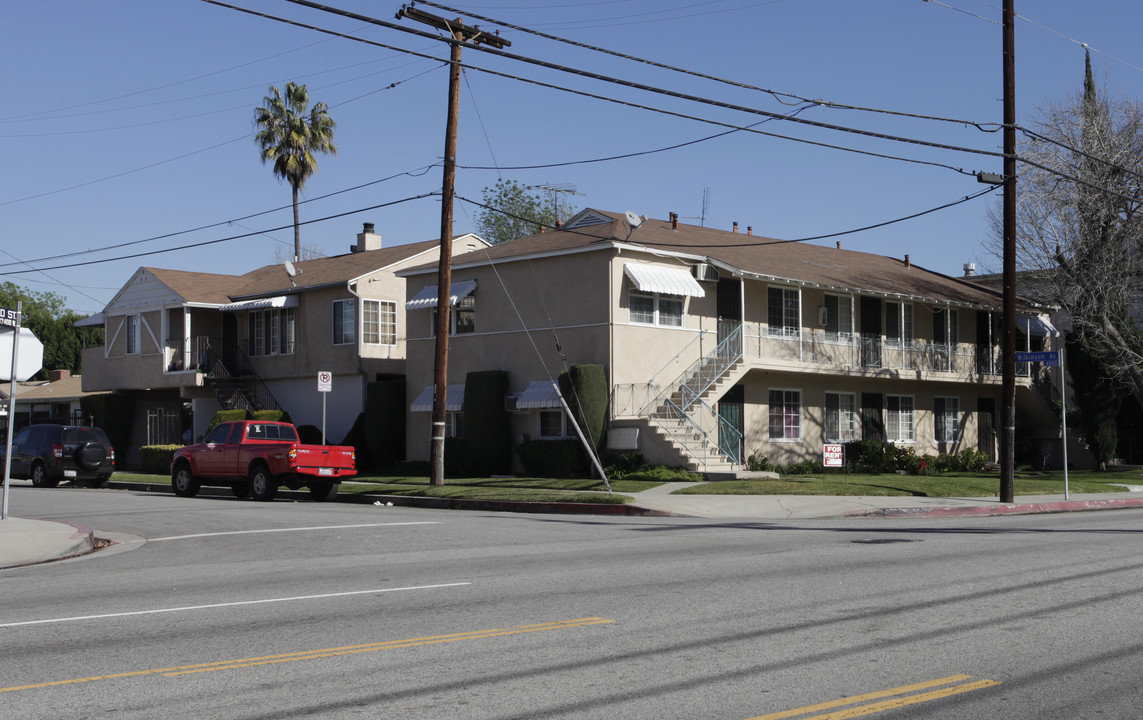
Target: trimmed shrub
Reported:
[(156, 459), (552, 458), (584, 387), (869, 456), (458, 458), (488, 441), (272, 416), (223, 416)]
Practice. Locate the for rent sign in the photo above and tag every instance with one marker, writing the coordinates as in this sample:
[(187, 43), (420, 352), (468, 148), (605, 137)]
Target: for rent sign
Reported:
[(833, 456)]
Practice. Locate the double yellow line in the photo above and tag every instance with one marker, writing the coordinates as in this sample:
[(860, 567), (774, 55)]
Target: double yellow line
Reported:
[(323, 653), (901, 697)]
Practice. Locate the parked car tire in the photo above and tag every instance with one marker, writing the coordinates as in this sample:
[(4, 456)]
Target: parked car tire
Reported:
[(323, 492), (240, 489), (183, 482), (40, 477), (263, 485)]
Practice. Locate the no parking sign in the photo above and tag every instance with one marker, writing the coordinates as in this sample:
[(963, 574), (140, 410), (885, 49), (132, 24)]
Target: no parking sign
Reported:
[(325, 381)]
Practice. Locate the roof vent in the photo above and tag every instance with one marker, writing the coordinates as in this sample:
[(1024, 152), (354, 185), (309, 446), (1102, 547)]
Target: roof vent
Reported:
[(970, 269)]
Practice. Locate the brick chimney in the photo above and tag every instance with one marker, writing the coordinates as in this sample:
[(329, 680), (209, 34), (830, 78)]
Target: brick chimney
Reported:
[(57, 375), (366, 239), (674, 221), (735, 226), (749, 229), (907, 263)]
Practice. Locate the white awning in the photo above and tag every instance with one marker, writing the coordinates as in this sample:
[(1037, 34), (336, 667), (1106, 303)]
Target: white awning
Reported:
[(278, 301), (667, 281), (540, 394), (427, 298), (1036, 326), (454, 399), (90, 321)]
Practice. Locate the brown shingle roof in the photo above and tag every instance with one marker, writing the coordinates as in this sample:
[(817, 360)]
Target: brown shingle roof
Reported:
[(198, 287), (757, 255)]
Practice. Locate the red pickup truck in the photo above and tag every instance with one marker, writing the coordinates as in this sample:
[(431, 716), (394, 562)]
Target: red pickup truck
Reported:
[(255, 457)]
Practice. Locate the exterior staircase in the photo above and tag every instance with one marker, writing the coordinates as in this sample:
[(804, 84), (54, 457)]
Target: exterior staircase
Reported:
[(244, 391), (682, 417)]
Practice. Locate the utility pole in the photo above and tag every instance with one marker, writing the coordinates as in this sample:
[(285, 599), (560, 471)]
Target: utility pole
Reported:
[(1008, 346), (460, 34)]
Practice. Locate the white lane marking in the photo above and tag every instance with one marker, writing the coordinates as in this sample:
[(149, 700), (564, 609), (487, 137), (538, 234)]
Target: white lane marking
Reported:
[(230, 604), (297, 529)]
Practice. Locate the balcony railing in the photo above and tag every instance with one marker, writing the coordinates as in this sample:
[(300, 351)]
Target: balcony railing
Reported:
[(196, 353)]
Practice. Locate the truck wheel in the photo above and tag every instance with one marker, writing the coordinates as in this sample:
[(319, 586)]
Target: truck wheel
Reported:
[(240, 489), (321, 492), (183, 482), (263, 486)]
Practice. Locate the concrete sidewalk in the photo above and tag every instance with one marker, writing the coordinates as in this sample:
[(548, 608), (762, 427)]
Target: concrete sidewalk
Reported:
[(26, 542)]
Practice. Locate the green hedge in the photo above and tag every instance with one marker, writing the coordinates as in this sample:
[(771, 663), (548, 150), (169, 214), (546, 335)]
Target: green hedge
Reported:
[(223, 416), (584, 387), (487, 449), (553, 458), (156, 459), (272, 416)]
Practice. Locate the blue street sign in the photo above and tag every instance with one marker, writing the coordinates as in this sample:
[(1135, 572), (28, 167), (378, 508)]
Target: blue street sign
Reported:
[(1050, 359)]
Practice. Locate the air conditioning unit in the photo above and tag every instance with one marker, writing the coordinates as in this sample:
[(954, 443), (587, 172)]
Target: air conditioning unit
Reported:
[(823, 316), (705, 272), (510, 403)]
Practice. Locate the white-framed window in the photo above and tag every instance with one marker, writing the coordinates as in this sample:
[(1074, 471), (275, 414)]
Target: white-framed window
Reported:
[(378, 322), (134, 334), (840, 417), (946, 329), (272, 332), (839, 317), (454, 424), (461, 317), (900, 419), (899, 323), (553, 424), (783, 311), (946, 419), (785, 414), (344, 322), (656, 309), (387, 319)]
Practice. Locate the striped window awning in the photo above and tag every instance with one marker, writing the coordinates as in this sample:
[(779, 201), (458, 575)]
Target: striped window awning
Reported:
[(1037, 326), (278, 301), (540, 394), (427, 298), (454, 399), (663, 280)]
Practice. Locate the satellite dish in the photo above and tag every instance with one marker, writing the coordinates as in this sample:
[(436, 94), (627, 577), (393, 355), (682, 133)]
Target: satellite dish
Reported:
[(633, 219), (290, 269)]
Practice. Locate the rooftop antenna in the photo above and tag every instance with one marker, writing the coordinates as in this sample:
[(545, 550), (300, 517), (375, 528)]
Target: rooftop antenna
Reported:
[(293, 272), (705, 208), (553, 190)]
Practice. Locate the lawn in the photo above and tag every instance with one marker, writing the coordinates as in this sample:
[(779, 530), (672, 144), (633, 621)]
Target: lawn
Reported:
[(944, 485)]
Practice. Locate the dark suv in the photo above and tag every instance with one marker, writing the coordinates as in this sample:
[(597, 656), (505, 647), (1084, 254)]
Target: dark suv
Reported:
[(50, 453)]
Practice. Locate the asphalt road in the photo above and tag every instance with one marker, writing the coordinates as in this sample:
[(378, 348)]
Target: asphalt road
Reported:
[(237, 609)]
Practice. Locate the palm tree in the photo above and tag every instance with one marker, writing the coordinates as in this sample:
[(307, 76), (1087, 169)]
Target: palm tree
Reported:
[(289, 135)]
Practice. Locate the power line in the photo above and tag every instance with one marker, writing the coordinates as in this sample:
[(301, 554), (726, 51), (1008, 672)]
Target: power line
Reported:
[(613, 80), (776, 94), (410, 173), (225, 239)]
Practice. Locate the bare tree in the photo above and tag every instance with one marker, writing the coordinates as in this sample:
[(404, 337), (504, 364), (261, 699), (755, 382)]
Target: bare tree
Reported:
[(1079, 233)]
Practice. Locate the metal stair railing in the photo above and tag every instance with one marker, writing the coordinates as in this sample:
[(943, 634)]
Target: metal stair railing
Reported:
[(247, 374), (710, 369)]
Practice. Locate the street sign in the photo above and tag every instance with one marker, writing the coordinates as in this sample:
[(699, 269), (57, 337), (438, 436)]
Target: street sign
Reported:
[(1049, 358), (325, 381), (31, 354), (833, 456), (9, 317)]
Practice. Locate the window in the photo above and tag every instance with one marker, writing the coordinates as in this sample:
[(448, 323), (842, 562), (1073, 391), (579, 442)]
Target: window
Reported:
[(272, 332), (454, 424), (945, 329), (219, 434), (785, 414), (839, 317), (461, 317), (899, 323), (370, 322), (656, 309), (552, 424), (899, 419), (782, 311), (344, 322), (841, 417), (946, 419), (134, 334)]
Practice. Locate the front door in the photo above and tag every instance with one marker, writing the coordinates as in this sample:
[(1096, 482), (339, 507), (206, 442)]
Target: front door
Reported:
[(872, 420), (728, 302), (731, 424), (871, 332), (986, 427)]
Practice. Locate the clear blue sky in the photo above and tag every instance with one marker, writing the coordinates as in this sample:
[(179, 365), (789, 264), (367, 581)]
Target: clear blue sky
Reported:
[(128, 120)]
